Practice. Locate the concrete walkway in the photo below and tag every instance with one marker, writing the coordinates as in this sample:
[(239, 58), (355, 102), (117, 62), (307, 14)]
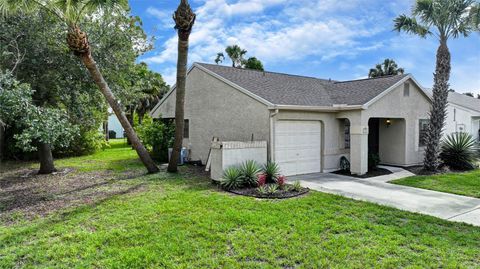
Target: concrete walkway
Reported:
[(376, 189)]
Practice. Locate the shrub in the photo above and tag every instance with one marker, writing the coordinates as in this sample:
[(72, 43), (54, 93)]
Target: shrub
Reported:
[(262, 179), (373, 160), (88, 142), (459, 151), (344, 164), (281, 181), (272, 170), (250, 170), (232, 178), (157, 137)]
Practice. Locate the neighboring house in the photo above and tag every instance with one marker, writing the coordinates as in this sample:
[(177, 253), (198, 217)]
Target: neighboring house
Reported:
[(463, 115), (309, 123), (114, 125)]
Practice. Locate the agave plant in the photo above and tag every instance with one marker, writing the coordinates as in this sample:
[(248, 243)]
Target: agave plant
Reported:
[(272, 170), (250, 169), (232, 178), (459, 151)]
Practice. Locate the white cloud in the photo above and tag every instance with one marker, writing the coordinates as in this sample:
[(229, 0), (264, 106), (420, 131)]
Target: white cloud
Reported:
[(292, 34)]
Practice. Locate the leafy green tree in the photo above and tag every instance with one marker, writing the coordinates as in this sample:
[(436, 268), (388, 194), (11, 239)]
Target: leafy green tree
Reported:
[(148, 88), (254, 63), (235, 53), (237, 56), (74, 13), (43, 128), (184, 19), (443, 19), (387, 68)]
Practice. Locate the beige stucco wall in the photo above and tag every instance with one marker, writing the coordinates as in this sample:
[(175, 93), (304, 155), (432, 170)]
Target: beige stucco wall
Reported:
[(392, 147), (215, 109), (411, 108)]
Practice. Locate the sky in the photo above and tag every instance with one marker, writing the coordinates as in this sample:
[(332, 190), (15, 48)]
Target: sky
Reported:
[(333, 39)]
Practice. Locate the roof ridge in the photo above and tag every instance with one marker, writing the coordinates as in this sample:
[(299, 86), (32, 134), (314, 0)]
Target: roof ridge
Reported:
[(271, 72), (363, 79)]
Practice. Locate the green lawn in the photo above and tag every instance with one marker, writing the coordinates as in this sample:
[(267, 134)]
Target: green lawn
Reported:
[(182, 221), (461, 183)]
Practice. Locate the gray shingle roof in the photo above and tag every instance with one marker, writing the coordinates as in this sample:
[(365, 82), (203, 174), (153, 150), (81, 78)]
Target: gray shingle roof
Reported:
[(285, 89), (464, 100)]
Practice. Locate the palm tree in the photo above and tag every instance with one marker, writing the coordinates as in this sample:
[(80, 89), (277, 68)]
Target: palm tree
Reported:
[(71, 13), (184, 19), (443, 19), (235, 53), (388, 68)]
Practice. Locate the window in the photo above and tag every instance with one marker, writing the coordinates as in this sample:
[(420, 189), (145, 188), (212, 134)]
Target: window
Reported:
[(347, 134), (423, 132), (406, 89), (186, 129), (454, 114)]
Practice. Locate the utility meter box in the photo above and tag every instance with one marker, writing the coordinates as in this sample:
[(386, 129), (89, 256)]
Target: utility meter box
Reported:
[(224, 154)]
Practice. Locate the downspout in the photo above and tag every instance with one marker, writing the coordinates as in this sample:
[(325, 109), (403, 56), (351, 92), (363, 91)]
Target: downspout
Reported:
[(273, 113)]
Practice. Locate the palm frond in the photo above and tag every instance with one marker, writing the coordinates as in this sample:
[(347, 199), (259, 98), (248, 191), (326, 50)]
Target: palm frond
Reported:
[(410, 25)]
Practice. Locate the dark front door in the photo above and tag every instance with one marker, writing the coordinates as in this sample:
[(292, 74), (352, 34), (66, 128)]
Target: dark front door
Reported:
[(373, 136)]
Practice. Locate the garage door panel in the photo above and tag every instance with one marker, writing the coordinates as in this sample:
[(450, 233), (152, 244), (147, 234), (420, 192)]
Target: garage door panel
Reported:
[(298, 146)]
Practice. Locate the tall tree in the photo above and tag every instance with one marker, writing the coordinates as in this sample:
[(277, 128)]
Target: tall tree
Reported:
[(235, 53), (237, 56), (184, 19), (387, 68), (443, 19), (72, 13), (42, 128), (254, 64)]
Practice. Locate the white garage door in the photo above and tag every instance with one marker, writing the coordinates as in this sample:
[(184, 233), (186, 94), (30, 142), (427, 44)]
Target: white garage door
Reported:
[(298, 146)]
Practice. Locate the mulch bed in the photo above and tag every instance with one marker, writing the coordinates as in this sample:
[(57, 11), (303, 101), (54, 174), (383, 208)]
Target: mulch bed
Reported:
[(418, 170), (372, 173), (280, 194)]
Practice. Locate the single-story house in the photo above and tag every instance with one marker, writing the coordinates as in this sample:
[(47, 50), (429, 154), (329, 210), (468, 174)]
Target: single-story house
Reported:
[(308, 123), (463, 115)]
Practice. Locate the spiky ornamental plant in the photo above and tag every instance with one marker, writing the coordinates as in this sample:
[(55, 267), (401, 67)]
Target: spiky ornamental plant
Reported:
[(184, 19), (250, 170), (443, 19), (232, 178), (72, 13), (460, 151)]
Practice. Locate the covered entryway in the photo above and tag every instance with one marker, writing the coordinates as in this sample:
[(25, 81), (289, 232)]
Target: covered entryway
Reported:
[(298, 146), (387, 140)]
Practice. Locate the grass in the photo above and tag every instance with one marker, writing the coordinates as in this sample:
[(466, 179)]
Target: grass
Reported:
[(467, 184), (119, 157), (182, 221)]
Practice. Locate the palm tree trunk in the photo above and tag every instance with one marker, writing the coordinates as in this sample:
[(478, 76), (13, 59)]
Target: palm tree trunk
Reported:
[(179, 102), (439, 106), (2, 140), (46, 159), (92, 67)]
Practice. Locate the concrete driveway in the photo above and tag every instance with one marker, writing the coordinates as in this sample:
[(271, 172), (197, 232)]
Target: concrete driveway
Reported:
[(439, 204)]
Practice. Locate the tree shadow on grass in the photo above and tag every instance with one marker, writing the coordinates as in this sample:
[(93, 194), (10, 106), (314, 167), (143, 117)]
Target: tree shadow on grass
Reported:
[(21, 234), (40, 195)]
